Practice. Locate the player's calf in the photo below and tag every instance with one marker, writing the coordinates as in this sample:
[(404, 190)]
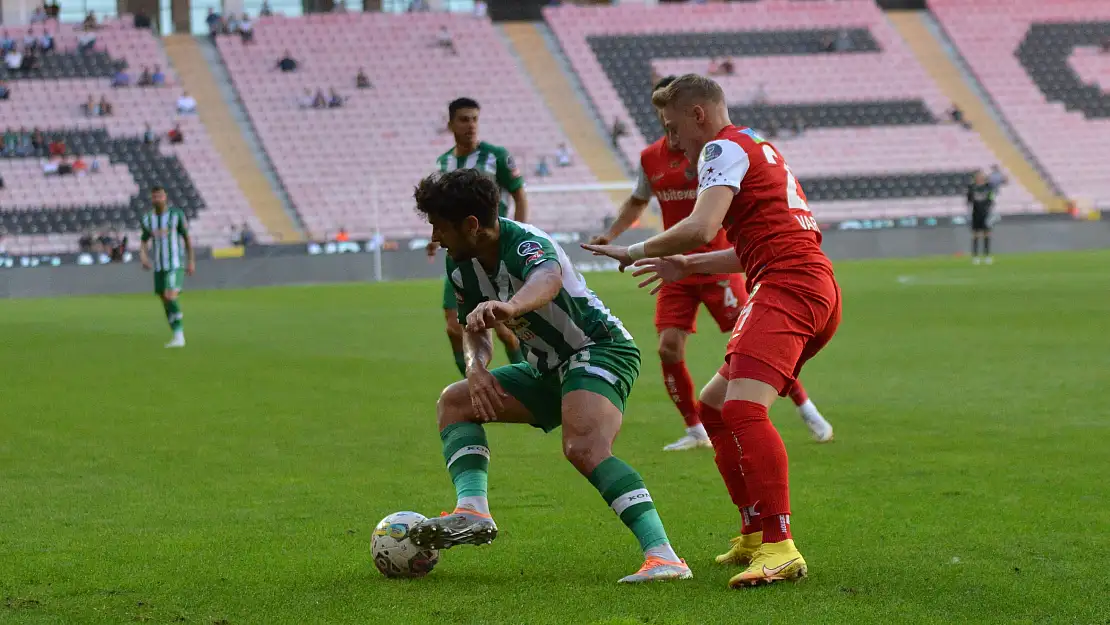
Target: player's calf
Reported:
[(174, 317), (680, 388)]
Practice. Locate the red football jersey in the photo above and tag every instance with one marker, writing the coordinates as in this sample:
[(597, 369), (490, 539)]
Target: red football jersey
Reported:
[(769, 222)]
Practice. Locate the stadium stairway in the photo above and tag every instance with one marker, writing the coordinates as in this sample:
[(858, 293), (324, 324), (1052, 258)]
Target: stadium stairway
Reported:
[(952, 81), (196, 76), (556, 89)]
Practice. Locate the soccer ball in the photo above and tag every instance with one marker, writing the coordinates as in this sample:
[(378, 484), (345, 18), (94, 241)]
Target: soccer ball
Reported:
[(394, 554)]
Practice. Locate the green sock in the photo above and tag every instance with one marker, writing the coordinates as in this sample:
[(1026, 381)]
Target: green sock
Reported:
[(623, 489), (467, 454), (173, 315), (460, 362), (515, 355)]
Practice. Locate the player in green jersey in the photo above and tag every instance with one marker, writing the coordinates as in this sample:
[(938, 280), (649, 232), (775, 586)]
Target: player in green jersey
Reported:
[(165, 235), (494, 162), (581, 365)]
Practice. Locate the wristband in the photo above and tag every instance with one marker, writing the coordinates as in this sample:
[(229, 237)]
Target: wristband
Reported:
[(636, 252)]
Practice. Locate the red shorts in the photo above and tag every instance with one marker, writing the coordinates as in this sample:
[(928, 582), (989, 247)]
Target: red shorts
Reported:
[(677, 304), (790, 316)]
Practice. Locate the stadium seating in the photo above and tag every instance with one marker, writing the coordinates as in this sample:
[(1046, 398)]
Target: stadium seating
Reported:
[(44, 214), (874, 144), (1041, 63), (356, 166)]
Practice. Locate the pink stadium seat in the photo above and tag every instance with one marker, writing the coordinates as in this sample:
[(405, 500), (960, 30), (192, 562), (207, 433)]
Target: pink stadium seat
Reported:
[(356, 166), (801, 79), (55, 104)]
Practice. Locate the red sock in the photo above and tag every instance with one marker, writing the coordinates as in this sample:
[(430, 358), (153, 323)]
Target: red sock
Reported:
[(727, 454), (798, 393), (764, 463), (680, 386)]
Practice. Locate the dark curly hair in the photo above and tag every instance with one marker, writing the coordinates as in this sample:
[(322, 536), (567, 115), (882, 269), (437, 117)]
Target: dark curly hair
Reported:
[(456, 195)]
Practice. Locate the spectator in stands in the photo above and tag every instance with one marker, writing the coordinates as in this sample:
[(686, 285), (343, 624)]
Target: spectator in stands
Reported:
[(339, 7), (265, 11), (287, 63), (146, 79), (445, 40), (773, 129), (480, 8), (29, 63), (120, 246), (65, 167), (799, 125), (38, 140), (7, 44), (214, 21), (50, 165), (23, 145), (722, 67), (148, 135), (89, 108), (13, 60), (957, 117), (80, 167), (618, 130), (106, 242), (246, 235), (105, 107), (11, 140), (86, 42), (318, 100), (1105, 46), (159, 77), (57, 147), (85, 243), (759, 97), (186, 104), (52, 10), (246, 29), (542, 168), (46, 43), (843, 41), (5, 92), (342, 236), (562, 155), (94, 166), (306, 100), (38, 16), (90, 22), (996, 179), (30, 41), (176, 135), (334, 99), (362, 81), (121, 78)]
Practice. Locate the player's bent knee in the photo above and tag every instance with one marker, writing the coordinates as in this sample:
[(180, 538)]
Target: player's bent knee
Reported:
[(586, 452), (454, 405), (672, 346), (713, 393)]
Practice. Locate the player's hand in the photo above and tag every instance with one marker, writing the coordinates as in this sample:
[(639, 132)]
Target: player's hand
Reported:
[(600, 239), (662, 270), (485, 393), (190, 268), (618, 253), (431, 248), (488, 314), (145, 262)]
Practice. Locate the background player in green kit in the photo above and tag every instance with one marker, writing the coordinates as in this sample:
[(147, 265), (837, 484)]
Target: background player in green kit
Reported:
[(581, 366), (165, 234), (494, 162)]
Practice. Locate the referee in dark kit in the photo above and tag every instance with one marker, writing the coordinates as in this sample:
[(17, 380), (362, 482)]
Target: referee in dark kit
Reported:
[(980, 198)]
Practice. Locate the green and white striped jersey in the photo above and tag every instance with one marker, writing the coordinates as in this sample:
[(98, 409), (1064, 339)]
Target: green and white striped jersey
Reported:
[(166, 231), (574, 320), (492, 160)]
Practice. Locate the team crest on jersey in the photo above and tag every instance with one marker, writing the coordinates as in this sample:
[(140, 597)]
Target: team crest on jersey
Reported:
[(529, 249), (712, 151)]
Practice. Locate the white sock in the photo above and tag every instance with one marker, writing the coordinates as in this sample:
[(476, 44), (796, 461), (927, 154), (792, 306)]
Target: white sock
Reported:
[(476, 503), (809, 411), (664, 551), (697, 431)]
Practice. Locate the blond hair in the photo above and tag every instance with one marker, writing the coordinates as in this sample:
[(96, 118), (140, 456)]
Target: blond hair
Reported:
[(688, 88)]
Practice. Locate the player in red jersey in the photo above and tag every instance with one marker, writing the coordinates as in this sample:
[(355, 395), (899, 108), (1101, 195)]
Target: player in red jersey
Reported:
[(793, 307), (665, 172)]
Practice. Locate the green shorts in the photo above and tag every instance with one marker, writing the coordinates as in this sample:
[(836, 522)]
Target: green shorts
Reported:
[(172, 280), (449, 301), (609, 370)]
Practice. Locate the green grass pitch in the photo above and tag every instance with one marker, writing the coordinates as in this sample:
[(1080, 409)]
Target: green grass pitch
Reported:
[(239, 480)]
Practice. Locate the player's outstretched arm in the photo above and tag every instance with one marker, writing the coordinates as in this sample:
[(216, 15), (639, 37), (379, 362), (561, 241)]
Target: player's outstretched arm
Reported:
[(540, 287), (669, 269)]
